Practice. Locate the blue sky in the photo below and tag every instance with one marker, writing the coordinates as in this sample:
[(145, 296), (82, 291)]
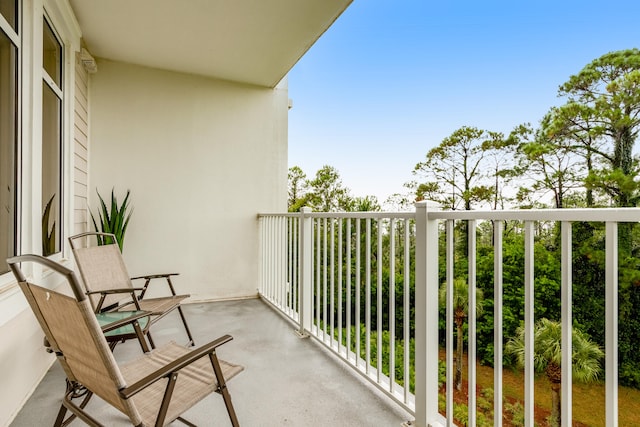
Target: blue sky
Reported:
[(392, 78)]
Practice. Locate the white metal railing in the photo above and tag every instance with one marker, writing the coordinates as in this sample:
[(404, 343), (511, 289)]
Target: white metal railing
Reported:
[(323, 270)]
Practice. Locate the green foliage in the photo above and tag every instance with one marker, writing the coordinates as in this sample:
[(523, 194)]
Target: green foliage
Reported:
[(547, 339), (460, 314), (385, 349), (602, 116), (547, 357), (363, 204), (454, 173), (461, 298), (461, 413), (325, 193), (630, 374), (297, 189), (442, 373), (113, 219), (548, 159), (48, 237), (482, 420), (516, 410), (582, 154), (485, 400)]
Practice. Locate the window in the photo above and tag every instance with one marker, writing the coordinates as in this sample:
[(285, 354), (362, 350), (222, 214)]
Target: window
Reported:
[(9, 44), (52, 96), (9, 11)]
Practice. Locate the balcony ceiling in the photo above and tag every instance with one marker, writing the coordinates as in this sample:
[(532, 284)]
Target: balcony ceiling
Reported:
[(249, 41)]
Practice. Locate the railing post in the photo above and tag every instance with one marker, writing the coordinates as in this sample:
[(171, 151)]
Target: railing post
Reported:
[(306, 271), (611, 324), (426, 309)]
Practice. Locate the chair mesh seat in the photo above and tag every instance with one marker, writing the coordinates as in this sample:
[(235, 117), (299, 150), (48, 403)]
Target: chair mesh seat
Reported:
[(194, 383), (157, 306)]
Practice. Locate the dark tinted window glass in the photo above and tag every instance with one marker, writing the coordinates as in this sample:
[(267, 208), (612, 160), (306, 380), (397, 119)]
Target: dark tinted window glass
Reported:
[(51, 170), (8, 143), (52, 54), (9, 10)]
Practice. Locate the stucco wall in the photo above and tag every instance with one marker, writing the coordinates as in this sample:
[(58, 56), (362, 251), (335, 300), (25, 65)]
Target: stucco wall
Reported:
[(201, 157)]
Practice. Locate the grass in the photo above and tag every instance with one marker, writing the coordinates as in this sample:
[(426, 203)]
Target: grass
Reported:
[(588, 399)]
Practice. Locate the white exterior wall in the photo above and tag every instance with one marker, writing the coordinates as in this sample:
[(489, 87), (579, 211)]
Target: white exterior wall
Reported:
[(80, 149), (201, 157)]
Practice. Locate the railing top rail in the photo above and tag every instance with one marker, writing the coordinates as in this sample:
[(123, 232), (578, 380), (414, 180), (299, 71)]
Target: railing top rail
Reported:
[(571, 215), (281, 214), (353, 215)]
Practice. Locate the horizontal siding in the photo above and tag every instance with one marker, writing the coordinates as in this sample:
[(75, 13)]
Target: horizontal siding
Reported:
[(80, 123), (80, 164), (81, 219)]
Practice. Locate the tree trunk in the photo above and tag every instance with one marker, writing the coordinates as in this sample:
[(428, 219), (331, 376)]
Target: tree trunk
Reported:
[(555, 405), (588, 187), (458, 376), (554, 373)]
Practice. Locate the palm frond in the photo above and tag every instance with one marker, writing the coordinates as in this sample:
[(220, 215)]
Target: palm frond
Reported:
[(547, 342)]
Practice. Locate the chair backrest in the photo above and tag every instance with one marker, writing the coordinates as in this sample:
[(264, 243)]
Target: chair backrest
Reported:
[(101, 267), (74, 335)]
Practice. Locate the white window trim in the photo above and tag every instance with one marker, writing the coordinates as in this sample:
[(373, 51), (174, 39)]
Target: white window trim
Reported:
[(65, 137), (8, 30), (64, 24), (62, 19), (7, 281)]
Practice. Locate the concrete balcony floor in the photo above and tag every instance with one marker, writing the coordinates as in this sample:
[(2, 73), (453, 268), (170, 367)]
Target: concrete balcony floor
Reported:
[(287, 381)]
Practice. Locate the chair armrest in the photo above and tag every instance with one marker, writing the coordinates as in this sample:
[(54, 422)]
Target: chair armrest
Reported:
[(155, 276), (148, 278), (174, 366), (115, 291), (103, 295)]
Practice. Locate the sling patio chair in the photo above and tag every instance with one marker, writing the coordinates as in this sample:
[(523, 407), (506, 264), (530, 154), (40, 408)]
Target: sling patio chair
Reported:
[(154, 389), (109, 286)]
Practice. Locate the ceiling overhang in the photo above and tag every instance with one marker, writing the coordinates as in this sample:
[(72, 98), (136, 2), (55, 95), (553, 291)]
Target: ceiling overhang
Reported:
[(255, 42)]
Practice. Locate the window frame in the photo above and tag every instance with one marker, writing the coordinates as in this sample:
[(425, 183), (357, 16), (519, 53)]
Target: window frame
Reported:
[(14, 36), (67, 30), (59, 92)]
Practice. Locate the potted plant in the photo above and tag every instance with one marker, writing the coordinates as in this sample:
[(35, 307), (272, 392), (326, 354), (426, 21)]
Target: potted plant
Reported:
[(113, 219)]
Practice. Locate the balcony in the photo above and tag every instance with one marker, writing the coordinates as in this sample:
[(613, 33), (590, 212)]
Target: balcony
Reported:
[(362, 365)]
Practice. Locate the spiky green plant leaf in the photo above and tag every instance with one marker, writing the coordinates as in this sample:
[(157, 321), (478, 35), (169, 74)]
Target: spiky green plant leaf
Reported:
[(48, 237), (113, 219)]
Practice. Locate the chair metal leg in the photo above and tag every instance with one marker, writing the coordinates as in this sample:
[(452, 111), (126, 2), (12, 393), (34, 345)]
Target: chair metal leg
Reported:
[(141, 340), (74, 391), (184, 322), (185, 422), (151, 343), (223, 390), (60, 418), (164, 407), (77, 411), (227, 401)]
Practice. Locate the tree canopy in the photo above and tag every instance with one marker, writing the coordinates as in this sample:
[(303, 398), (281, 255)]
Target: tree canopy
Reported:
[(325, 192), (579, 154)]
